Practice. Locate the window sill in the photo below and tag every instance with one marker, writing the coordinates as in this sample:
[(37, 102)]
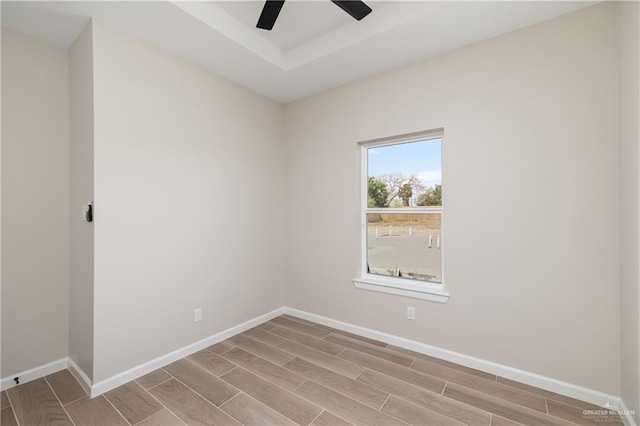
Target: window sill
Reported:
[(415, 291)]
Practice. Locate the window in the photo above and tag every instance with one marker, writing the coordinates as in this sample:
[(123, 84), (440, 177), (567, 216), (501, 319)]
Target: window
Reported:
[(401, 202)]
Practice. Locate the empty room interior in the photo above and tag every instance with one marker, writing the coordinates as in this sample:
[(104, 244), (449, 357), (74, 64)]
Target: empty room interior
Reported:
[(320, 213)]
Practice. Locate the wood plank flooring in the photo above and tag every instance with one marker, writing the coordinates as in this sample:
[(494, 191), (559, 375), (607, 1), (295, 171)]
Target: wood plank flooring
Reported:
[(290, 371)]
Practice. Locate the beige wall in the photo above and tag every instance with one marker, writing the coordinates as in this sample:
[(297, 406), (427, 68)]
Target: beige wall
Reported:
[(529, 119), (35, 199), (629, 128), (81, 191), (189, 173)]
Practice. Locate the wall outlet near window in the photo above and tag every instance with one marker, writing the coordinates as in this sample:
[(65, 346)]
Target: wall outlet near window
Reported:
[(197, 314), (411, 313)]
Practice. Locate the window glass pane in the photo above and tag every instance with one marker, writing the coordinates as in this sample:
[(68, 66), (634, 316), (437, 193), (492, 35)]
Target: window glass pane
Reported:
[(405, 244), (405, 175)]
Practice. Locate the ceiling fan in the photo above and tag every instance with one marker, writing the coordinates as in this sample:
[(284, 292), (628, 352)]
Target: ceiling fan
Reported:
[(357, 9)]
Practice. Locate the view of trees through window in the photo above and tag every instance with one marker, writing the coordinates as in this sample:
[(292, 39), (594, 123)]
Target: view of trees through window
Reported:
[(404, 210)]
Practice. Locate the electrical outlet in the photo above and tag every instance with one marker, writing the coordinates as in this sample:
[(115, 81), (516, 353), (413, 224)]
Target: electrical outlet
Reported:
[(197, 315), (411, 313)]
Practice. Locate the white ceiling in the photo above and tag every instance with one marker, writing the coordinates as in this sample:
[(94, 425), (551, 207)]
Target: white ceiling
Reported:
[(314, 45)]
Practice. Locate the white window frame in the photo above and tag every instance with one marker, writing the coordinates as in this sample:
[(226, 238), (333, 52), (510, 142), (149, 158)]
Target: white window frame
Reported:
[(385, 284)]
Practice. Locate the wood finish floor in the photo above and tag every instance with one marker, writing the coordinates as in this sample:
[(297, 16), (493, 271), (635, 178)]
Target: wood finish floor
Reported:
[(290, 371)]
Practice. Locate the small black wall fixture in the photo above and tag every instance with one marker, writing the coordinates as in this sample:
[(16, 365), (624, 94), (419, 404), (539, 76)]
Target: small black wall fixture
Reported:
[(88, 212)]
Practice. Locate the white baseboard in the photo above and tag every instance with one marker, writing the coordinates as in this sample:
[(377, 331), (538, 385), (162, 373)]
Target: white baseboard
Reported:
[(34, 373), (533, 379), (135, 372), (80, 376), (142, 369), (627, 418)]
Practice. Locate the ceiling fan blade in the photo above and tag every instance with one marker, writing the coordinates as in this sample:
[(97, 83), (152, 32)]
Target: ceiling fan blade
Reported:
[(355, 8), (269, 14)]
